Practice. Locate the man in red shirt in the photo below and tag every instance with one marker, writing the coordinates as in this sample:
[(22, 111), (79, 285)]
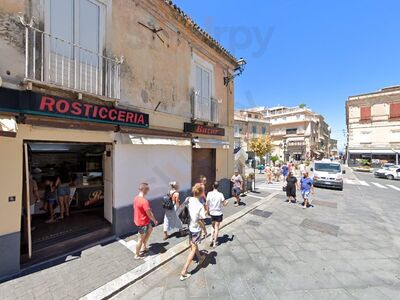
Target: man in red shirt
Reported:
[(142, 215)]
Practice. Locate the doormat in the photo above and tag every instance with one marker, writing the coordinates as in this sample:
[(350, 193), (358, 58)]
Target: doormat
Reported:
[(325, 203), (261, 213), (321, 227)]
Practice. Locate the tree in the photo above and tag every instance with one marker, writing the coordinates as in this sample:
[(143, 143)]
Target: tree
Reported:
[(274, 159), (261, 145), (302, 105)]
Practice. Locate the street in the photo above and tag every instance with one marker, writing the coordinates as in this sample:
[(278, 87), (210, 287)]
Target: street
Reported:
[(346, 247)]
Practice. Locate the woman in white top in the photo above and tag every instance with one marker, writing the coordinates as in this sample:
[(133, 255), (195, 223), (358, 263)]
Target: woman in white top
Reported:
[(215, 201), (171, 220), (197, 215)]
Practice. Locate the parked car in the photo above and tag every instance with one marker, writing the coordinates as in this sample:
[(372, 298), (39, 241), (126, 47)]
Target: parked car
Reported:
[(390, 171), (328, 174)]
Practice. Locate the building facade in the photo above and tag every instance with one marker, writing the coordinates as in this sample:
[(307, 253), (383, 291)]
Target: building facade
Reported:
[(297, 132), (373, 125), (84, 98), (334, 148), (249, 124)]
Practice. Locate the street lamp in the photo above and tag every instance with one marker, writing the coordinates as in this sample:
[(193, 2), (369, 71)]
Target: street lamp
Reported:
[(241, 63)]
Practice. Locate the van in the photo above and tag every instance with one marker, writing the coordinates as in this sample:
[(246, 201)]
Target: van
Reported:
[(328, 174)]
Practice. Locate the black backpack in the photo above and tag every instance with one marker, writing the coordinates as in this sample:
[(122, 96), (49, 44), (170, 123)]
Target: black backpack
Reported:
[(167, 202), (184, 215)]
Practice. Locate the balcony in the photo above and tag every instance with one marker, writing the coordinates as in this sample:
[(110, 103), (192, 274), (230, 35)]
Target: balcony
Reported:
[(205, 109), (51, 60)]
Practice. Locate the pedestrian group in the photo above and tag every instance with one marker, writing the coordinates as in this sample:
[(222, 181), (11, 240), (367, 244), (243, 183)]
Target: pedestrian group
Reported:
[(192, 211)]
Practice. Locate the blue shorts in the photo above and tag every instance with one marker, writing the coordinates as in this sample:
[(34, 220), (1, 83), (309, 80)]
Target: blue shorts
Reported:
[(236, 191), (51, 201), (63, 191), (195, 237), (305, 194)]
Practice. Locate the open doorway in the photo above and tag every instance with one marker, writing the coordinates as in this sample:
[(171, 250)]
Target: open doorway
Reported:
[(69, 198)]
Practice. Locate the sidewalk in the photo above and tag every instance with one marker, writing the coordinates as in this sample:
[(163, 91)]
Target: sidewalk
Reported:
[(85, 271)]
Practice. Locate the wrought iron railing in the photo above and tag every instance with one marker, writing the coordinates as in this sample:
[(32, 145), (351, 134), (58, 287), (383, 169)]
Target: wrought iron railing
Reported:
[(53, 60), (205, 109)]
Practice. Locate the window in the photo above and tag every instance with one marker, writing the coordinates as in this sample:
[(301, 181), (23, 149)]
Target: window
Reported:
[(395, 110), (254, 130), (205, 107), (237, 129), (264, 130), (74, 48), (291, 131), (365, 113)]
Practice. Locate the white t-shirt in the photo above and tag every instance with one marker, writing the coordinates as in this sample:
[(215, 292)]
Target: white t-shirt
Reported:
[(237, 181), (215, 200), (197, 212)]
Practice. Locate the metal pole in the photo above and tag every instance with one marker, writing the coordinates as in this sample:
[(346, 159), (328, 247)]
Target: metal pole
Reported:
[(28, 205)]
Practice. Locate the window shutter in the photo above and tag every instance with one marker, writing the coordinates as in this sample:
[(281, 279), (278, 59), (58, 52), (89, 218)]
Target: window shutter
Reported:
[(365, 113), (395, 110), (198, 81)]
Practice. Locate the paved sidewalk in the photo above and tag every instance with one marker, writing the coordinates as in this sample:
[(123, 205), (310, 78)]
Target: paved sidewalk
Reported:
[(346, 247), (85, 271)]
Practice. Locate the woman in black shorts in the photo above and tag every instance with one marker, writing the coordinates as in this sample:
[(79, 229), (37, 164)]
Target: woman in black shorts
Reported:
[(291, 186)]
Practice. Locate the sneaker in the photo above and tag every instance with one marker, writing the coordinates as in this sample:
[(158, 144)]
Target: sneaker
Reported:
[(184, 276), (304, 207)]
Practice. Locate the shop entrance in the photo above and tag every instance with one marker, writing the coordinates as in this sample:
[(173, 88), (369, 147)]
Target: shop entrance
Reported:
[(203, 163), (67, 198)]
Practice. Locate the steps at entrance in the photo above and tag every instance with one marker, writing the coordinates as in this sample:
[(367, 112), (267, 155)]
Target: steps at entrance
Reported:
[(66, 244)]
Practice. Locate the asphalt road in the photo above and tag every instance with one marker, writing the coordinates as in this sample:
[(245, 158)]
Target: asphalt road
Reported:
[(346, 247)]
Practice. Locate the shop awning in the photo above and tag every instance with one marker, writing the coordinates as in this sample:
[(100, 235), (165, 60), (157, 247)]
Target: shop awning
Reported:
[(152, 140), (8, 126), (210, 143), (376, 151)]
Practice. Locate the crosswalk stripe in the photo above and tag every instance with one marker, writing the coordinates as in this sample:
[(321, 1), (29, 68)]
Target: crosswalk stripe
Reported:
[(364, 183), (350, 181), (379, 185), (393, 187)]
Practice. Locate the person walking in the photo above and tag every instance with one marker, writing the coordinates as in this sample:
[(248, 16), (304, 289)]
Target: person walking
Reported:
[(277, 173), (237, 181), (285, 171), (63, 192), (171, 219), (291, 186), (268, 174), (307, 187), (196, 226), (215, 201), (142, 215), (203, 183)]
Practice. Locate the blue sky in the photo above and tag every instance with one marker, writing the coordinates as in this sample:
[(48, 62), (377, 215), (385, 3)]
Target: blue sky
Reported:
[(306, 51)]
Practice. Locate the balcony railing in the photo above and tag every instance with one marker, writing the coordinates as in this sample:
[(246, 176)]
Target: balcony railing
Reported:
[(205, 109), (53, 60)]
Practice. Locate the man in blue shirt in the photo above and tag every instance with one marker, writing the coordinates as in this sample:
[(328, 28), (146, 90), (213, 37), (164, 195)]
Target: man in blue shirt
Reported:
[(307, 187), (285, 172)]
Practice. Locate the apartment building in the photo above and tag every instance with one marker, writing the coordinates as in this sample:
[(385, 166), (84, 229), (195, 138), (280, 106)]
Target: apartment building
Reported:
[(106, 94), (297, 132), (334, 148), (373, 125), (249, 124)]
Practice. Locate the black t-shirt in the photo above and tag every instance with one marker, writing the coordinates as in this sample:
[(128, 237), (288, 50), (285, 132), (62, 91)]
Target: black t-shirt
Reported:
[(291, 181)]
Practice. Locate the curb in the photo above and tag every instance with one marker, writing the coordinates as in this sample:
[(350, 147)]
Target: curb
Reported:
[(120, 283)]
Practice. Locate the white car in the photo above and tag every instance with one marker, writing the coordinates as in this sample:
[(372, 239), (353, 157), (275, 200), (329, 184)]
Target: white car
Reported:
[(390, 172), (328, 174)]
